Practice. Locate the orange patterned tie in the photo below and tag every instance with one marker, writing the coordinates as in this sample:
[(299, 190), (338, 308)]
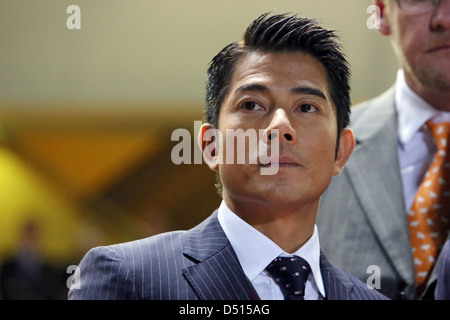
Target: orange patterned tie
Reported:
[(429, 215)]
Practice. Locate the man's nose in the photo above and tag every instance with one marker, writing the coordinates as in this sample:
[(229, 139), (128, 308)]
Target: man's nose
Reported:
[(280, 127), (441, 17)]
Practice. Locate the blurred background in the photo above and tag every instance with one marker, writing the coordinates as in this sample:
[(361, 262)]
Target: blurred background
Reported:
[(86, 118)]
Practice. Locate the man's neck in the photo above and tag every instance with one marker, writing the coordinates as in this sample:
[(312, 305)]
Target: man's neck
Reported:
[(439, 98), (289, 226)]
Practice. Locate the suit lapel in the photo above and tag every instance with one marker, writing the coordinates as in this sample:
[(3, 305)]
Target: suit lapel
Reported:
[(336, 283), (375, 170), (217, 274)]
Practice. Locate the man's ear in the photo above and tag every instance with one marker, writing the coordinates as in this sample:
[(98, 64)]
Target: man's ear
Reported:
[(346, 146), (382, 17), (208, 141)]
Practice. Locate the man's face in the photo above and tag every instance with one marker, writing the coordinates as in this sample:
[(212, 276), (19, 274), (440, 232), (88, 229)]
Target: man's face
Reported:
[(422, 43), (288, 93)]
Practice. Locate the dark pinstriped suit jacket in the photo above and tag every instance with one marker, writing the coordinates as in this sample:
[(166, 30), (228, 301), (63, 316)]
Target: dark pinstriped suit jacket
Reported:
[(185, 265), (442, 291)]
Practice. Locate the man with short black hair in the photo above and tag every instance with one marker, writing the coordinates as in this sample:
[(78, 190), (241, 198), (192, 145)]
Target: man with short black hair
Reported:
[(288, 80)]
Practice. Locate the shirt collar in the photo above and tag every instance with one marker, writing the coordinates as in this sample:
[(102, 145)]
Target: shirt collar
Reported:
[(413, 111), (255, 251)]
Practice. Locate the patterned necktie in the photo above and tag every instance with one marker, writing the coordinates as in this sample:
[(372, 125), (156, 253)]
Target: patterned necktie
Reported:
[(429, 216), (290, 274)]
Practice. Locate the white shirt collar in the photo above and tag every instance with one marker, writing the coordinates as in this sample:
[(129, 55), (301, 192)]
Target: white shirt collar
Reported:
[(413, 111), (255, 251)]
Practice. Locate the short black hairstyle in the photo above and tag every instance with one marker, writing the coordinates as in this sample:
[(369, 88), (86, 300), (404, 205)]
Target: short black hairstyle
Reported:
[(282, 33)]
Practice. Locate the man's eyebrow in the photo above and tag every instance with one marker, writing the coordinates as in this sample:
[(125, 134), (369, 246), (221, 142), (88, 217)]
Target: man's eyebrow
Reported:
[(253, 87), (296, 90), (310, 91)]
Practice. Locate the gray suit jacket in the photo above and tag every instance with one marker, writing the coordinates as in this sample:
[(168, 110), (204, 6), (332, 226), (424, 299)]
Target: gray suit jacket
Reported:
[(443, 281), (362, 218), (186, 265)]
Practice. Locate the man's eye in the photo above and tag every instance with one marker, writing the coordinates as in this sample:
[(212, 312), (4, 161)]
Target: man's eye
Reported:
[(251, 105), (307, 108)]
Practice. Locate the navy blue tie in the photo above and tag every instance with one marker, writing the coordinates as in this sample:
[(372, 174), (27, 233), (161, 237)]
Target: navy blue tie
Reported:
[(290, 273)]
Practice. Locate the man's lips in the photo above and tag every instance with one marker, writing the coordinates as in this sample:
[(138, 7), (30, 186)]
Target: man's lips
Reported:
[(282, 161), (445, 46)]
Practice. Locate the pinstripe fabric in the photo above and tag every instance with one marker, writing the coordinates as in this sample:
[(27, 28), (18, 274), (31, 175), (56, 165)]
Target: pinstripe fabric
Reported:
[(340, 285), (185, 265)]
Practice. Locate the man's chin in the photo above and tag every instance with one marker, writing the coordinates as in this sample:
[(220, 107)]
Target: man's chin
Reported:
[(436, 75)]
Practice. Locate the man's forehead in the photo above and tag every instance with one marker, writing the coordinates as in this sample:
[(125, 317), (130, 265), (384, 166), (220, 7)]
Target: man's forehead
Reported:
[(289, 69)]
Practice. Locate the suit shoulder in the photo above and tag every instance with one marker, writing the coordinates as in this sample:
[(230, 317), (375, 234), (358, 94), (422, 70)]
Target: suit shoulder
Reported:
[(156, 245), (119, 271), (364, 109)]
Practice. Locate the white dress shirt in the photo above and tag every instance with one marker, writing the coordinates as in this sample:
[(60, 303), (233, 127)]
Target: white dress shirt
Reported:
[(415, 147), (255, 251)]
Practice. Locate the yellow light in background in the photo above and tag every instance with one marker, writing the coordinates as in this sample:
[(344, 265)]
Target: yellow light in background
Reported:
[(86, 163), (25, 195)]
